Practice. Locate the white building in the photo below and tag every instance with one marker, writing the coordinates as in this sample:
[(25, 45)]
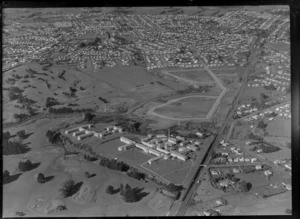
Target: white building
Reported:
[(126, 140)]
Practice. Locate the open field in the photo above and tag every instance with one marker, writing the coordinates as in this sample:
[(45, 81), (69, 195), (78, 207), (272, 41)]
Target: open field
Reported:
[(135, 155), (196, 75), (280, 127), (189, 107), (163, 167)]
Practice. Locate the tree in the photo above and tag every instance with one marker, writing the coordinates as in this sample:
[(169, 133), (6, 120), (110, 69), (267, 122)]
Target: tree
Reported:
[(6, 175), (122, 189), (25, 166), (110, 190), (262, 125), (88, 116), (41, 178), (130, 196), (21, 134), (242, 186)]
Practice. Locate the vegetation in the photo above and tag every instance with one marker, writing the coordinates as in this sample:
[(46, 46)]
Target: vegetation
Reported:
[(69, 188), (7, 178), (14, 93), (103, 100), (130, 195), (67, 110), (27, 165), (136, 175), (262, 125), (50, 101), (53, 136), (110, 190), (12, 147), (41, 178), (113, 164)]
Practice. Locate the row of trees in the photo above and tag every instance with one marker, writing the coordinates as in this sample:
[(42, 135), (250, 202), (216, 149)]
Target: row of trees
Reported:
[(67, 110), (7, 178), (13, 147), (50, 101)]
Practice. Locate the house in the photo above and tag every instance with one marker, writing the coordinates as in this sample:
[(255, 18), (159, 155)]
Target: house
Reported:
[(172, 140), (258, 167), (288, 166), (161, 136), (268, 173), (199, 134), (235, 170), (192, 147), (126, 140), (154, 159), (214, 172), (253, 159), (247, 159), (71, 130), (179, 156)]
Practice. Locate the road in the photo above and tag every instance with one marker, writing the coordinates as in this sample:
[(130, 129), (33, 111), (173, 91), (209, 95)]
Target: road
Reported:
[(212, 110), (179, 209)]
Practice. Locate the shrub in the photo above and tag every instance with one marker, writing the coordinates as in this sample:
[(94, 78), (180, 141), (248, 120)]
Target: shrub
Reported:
[(41, 178), (69, 188), (27, 165)]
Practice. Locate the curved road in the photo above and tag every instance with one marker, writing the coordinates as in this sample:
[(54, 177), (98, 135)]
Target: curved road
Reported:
[(212, 110)]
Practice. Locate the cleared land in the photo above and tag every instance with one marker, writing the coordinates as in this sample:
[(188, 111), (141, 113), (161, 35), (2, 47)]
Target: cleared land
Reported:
[(188, 107)]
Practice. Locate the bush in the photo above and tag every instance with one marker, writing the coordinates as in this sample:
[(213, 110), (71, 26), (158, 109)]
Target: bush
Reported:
[(69, 188), (50, 101), (21, 134), (13, 147), (135, 174), (27, 165), (41, 178)]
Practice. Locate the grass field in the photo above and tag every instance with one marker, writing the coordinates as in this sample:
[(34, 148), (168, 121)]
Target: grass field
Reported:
[(163, 167), (280, 127), (189, 107), (195, 75), (135, 155), (177, 177)]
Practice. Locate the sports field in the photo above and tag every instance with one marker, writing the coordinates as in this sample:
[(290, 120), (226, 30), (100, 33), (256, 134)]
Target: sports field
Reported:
[(190, 107), (163, 167), (135, 155)]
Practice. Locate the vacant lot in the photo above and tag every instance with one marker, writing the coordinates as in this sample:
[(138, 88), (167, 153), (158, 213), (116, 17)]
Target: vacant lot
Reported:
[(189, 107)]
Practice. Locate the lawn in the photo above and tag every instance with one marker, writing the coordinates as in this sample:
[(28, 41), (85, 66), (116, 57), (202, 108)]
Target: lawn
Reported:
[(188, 107), (135, 155), (178, 176), (109, 148), (122, 77), (162, 166)]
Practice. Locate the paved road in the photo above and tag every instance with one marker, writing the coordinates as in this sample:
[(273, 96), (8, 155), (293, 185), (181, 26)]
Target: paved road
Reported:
[(187, 198)]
